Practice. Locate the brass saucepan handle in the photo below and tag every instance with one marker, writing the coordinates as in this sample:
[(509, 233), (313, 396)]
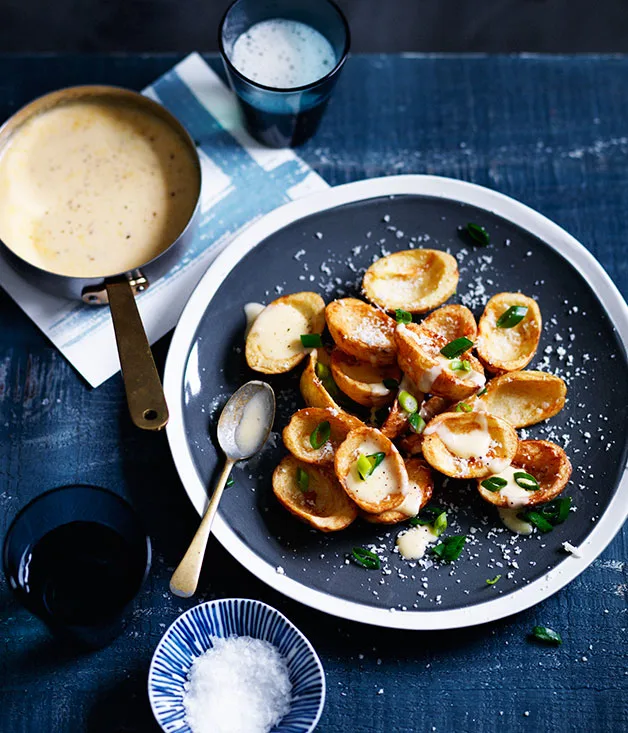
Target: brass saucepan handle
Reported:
[(144, 393)]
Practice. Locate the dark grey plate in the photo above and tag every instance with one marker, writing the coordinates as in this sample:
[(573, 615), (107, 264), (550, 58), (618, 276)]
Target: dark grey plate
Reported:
[(328, 252)]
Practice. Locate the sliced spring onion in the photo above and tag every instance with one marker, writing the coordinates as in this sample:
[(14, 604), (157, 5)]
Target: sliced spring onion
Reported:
[(427, 515), (478, 234), (450, 548), (303, 480), (417, 423), (482, 391), (365, 558), (367, 464), (322, 370), (556, 511), (526, 481), (408, 401), (311, 340), (440, 524), (494, 483), (320, 434), (463, 407), (512, 316), (456, 347), (549, 636), (492, 581), (460, 365), (331, 387), (391, 384), (230, 481), (403, 316), (538, 521)]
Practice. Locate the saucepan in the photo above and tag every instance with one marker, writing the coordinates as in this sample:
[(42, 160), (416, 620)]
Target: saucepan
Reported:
[(99, 198)]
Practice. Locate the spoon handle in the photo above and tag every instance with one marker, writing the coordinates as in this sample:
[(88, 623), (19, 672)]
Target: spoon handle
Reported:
[(185, 578)]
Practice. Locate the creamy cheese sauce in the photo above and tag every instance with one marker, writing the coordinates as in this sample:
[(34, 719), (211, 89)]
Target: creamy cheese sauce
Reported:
[(511, 521), (251, 430), (278, 329), (90, 189), (516, 496), (380, 484), (472, 444), (251, 312), (412, 503), (413, 543)]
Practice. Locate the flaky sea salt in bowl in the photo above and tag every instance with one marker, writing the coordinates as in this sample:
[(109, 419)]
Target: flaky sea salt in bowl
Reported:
[(235, 665)]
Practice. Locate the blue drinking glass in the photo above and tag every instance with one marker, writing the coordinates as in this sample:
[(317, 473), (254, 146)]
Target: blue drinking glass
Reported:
[(274, 116), (76, 557)]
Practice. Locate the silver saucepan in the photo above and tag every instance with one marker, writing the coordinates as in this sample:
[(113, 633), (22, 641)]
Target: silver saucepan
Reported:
[(111, 284)]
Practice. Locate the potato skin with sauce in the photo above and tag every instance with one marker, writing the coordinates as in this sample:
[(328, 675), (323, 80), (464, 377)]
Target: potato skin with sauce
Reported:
[(415, 280), (544, 460), (442, 459), (358, 379), (311, 306), (362, 331), (346, 456), (508, 349), (420, 486), (296, 435), (325, 506)]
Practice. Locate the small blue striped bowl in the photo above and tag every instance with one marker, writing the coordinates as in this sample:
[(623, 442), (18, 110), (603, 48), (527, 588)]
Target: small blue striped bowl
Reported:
[(193, 633)]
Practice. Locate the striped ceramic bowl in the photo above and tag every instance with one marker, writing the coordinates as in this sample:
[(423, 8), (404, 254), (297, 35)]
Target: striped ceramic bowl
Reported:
[(193, 633)]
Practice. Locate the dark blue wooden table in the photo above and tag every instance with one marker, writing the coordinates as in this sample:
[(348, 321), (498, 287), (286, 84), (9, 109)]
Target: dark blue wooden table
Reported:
[(551, 132)]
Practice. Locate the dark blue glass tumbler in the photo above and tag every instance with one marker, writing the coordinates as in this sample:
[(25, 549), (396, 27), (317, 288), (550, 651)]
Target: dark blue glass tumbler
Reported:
[(76, 557), (282, 115)]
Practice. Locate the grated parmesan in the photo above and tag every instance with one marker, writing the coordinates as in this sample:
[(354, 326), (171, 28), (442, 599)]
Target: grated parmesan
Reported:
[(241, 685)]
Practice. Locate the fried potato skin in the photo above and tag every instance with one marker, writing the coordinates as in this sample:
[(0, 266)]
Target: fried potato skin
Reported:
[(442, 459), (311, 306), (296, 434), (420, 485), (544, 460), (362, 331), (325, 506), (351, 375), (523, 398), (508, 349), (311, 386), (416, 280), (418, 352), (348, 453), (451, 322)]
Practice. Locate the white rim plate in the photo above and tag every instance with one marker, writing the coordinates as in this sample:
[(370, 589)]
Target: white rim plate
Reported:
[(554, 236)]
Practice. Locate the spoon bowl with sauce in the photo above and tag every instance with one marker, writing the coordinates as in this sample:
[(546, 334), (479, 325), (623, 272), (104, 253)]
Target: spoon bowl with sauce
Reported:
[(99, 197), (243, 429)]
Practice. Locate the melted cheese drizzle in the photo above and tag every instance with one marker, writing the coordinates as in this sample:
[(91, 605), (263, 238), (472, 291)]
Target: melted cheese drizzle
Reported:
[(92, 188), (413, 543), (380, 484), (412, 503), (278, 329), (512, 491), (251, 430), (251, 312), (511, 521), (474, 444)]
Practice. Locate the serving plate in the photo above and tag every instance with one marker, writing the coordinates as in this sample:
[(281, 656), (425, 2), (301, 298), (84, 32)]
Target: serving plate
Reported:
[(324, 243)]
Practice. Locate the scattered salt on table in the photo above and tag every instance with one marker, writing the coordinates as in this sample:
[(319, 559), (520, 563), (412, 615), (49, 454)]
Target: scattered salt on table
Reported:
[(241, 685)]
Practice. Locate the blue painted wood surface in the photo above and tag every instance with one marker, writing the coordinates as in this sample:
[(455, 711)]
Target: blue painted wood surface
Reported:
[(548, 131)]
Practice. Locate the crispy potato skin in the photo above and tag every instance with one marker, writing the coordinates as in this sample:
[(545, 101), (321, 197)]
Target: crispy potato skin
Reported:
[(312, 389), (451, 322), (508, 349), (346, 369), (418, 352), (523, 398), (416, 280), (549, 465), (362, 331), (325, 506), (311, 306), (420, 484), (442, 459), (296, 434), (347, 454), (396, 422)]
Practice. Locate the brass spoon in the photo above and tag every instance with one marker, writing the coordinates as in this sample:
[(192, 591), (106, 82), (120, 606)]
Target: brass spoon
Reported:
[(239, 440)]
